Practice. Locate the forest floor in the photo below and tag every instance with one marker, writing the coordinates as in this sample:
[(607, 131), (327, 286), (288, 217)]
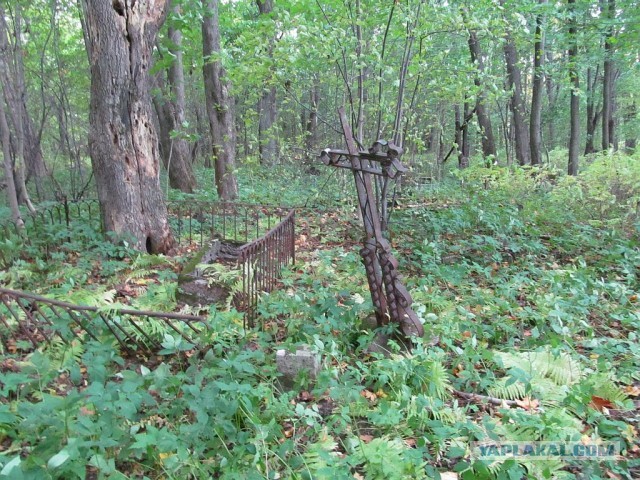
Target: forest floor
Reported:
[(530, 305)]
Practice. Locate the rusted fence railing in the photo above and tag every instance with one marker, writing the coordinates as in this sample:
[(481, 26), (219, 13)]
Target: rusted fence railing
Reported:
[(191, 221), (198, 222), (262, 261), (264, 235), (27, 321)]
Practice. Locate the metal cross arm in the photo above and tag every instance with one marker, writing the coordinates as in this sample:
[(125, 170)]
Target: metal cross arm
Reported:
[(385, 164), (391, 299)]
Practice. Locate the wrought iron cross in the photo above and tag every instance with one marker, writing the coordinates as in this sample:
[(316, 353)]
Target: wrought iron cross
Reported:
[(391, 299)]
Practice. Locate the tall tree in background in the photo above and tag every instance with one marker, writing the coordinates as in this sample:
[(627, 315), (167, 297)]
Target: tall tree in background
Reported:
[(122, 139), (593, 109), (10, 185), (14, 94), (220, 108), (574, 115), (267, 109), (516, 100), (537, 89), (171, 117), (484, 119), (608, 8)]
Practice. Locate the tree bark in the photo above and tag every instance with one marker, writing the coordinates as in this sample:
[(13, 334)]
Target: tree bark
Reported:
[(12, 88), (593, 111), (32, 150), (484, 120), (462, 134), (406, 60), (311, 138), (122, 139), (608, 78), (552, 97), (574, 135), (535, 122), (267, 108), (220, 106), (630, 139), (175, 148), (12, 197), (516, 102)]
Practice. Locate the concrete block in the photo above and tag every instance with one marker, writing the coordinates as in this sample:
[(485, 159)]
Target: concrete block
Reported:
[(291, 364)]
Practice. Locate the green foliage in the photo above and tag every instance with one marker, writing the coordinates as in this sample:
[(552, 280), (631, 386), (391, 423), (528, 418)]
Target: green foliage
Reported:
[(524, 296)]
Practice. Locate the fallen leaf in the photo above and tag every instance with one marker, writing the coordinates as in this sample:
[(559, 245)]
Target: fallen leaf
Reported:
[(369, 395), (410, 442), (632, 390), (528, 403), (305, 396), (600, 404)]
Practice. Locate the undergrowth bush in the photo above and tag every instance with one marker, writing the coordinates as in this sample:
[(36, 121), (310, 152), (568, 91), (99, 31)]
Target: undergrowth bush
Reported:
[(527, 293)]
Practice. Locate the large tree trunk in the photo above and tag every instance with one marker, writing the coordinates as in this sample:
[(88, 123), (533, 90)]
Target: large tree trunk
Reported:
[(484, 120), (535, 123), (170, 109), (267, 109), (574, 136), (220, 106), (608, 78), (516, 102), (122, 139)]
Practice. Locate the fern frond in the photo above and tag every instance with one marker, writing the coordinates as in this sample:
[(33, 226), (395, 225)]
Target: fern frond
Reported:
[(605, 387), (99, 297), (561, 368), (320, 456), (513, 391), (148, 261), (63, 353)]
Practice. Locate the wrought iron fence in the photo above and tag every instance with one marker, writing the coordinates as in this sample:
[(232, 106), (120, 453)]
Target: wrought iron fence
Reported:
[(198, 222), (265, 236), (27, 321), (262, 261), (191, 221)]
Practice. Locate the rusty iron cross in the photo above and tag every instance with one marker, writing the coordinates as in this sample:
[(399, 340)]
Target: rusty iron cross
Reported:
[(391, 299)]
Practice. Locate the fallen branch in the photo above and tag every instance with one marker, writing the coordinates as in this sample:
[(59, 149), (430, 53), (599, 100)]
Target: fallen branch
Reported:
[(475, 397)]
